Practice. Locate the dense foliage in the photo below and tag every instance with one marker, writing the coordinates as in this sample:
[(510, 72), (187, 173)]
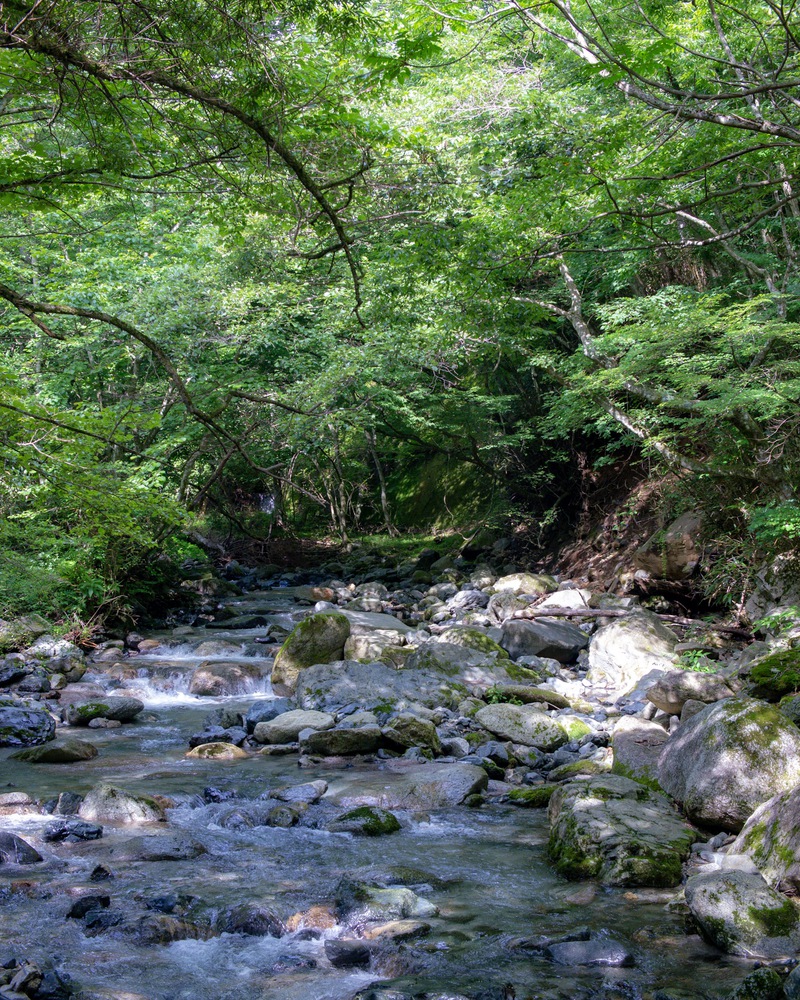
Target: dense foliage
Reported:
[(336, 266)]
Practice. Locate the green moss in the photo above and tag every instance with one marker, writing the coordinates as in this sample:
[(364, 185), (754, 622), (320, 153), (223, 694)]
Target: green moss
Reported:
[(574, 728), (577, 767), (776, 921), (776, 675), (519, 673), (372, 822), (535, 797), (473, 638), (645, 777)]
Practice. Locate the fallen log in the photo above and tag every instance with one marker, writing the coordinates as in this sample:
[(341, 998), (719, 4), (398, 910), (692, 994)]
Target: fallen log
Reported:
[(534, 612)]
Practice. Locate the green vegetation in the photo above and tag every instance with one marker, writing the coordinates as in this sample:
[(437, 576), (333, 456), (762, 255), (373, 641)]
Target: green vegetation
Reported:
[(350, 268)]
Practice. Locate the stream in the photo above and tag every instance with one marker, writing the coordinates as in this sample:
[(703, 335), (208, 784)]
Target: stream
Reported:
[(485, 869)]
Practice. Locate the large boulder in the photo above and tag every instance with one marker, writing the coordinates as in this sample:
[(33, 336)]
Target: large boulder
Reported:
[(617, 831), (15, 850), (740, 914), (405, 731), (637, 746), (560, 641), (403, 785), (214, 678), (671, 692), (108, 804), (728, 759), (57, 752), (287, 727), (119, 709), (24, 727), (675, 553), (20, 632), (319, 638), (345, 742), (525, 583), (266, 711), (771, 836), (525, 724), (774, 676), (637, 647)]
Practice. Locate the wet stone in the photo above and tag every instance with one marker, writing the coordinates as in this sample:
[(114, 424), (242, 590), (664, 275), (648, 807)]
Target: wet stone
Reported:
[(71, 830), (346, 953)]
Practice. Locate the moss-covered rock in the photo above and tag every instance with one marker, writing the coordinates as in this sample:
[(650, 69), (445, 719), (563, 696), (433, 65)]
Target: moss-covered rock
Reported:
[(762, 984), (366, 821), (119, 709), (109, 804), (472, 637), (776, 675), (319, 638), (728, 759), (21, 632), (533, 797), (57, 752), (525, 724), (405, 731), (637, 747), (525, 583), (23, 727), (617, 831), (740, 914), (771, 836), (576, 769)]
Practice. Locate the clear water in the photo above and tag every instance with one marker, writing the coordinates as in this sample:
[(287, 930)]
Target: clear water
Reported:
[(496, 884)]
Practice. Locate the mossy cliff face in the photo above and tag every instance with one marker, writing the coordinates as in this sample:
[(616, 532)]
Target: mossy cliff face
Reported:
[(728, 759), (617, 831), (317, 639)]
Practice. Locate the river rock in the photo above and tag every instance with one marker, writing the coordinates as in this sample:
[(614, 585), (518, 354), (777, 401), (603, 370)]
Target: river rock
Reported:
[(740, 914), (359, 903), (673, 553), (320, 638), (116, 709), (618, 831), (214, 678), (560, 641), (12, 671), (405, 731), (365, 821), (47, 647), (266, 711), (405, 785), (287, 727), (71, 829), (108, 804), (761, 984), (16, 851), (18, 803), (728, 759), (771, 836), (595, 951), (20, 632), (217, 751), (525, 724), (22, 727), (472, 637), (250, 918), (162, 847), (637, 746), (671, 692), (774, 676), (370, 646), (66, 751), (525, 583), (309, 792), (347, 953), (637, 647), (344, 742)]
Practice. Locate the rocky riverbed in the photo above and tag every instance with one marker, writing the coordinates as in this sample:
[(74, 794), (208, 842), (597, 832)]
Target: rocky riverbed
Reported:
[(444, 780)]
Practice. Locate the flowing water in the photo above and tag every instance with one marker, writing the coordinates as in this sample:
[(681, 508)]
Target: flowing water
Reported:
[(486, 870)]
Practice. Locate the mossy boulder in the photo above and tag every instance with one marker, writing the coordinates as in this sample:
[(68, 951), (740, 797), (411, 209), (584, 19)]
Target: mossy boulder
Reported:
[(671, 692), (525, 724), (776, 675), (762, 984), (472, 637), (319, 638), (637, 746), (537, 584), (405, 731), (617, 831), (534, 797), (740, 914), (771, 836), (366, 821), (109, 804), (728, 759), (119, 709), (215, 678), (21, 632), (57, 752), (576, 769), (23, 727)]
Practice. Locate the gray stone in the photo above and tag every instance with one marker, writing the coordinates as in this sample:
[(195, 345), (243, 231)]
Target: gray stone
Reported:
[(347, 953), (617, 831), (728, 759), (359, 903), (57, 752), (561, 641), (108, 804), (320, 638), (164, 847), (671, 692), (525, 583), (629, 650), (771, 837), (762, 984), (740, 914), (116, 709), (345, 742), (405, 731), (16, 851), (525, 724), (19, 632), (214, 678), (365, 821), (637, 747), (309, 792), (595, 951), (23, 727), (287, 727), (406, 785), (266, 711)]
